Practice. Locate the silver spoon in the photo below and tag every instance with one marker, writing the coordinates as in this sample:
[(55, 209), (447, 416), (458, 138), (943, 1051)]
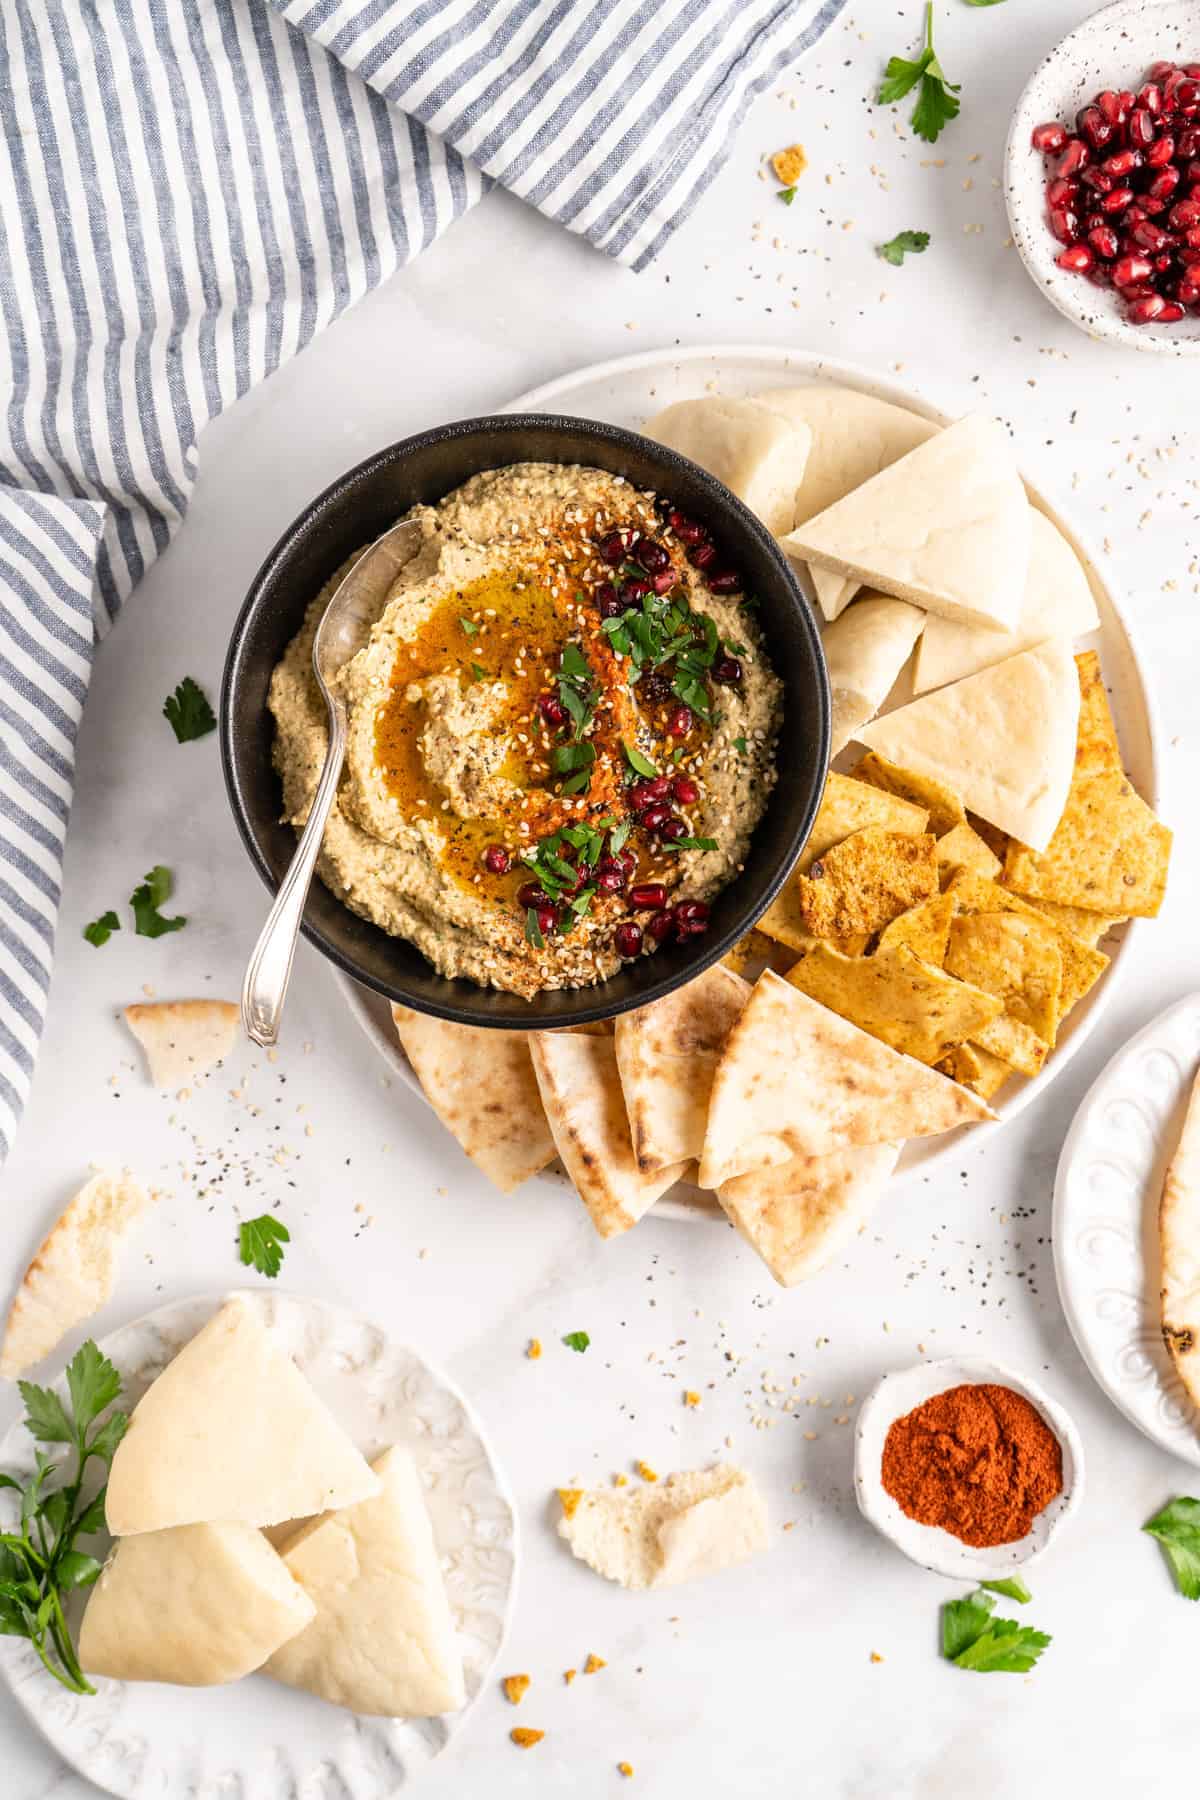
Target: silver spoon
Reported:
[(343, 630)]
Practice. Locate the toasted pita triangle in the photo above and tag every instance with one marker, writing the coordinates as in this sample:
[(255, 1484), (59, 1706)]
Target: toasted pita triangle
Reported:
[(1179, 1235), (231, 1430), (74, 1272), (1002, 740), (667, 1054), (581, 1092), (482, 1087), (183, 1039), (798, 1080), (947, 527), (799, 1215)]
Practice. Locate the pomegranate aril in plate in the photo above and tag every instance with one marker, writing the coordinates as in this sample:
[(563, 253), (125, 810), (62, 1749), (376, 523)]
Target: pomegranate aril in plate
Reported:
[(1163, 185), (665, 580), (1113, 106), (685, 791), (608, 602), (673, 829), (1149, 236), (725, 581), (1130, 269), (612, 547), (655, 817), (688, 531), (1146, 310), (1183, 214), (703, 556), (1076, 257), (496, 860), (1122, 162), (1049, 138), (1170, 314), (1094, 177), (648, 896), (644, 793), (1075, 155), (679, 722), (552, 710), (627, 939), (1104, 241), (1141, 129), (651, 555), (728, 670), (1114, 203), (659, 925), (1160, 152), (1187, 291), (1092, 126), (609, 877), (1062, 192), (634, 589)]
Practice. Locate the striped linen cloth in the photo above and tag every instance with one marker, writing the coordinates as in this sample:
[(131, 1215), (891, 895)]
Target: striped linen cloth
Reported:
[(189, 191)]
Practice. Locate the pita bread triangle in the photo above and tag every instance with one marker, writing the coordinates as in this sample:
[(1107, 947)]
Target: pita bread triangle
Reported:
[(231, 1430), (1179, 1231), (799, 1215), (1002, 740), (667, 1055), (946, 527), (799, 1080)]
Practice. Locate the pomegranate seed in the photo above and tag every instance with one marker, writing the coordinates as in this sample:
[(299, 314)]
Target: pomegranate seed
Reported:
[(1149, 100), (627, 863), (1192, 71), (1073, 158), (1146, 310), (1163, 263), (648, 897), (552, 710), (1149, 236), (658, 925), (1099, 276), (1092, 125), (1065, 224), (1061, 191), (608, 602), (727, 670), (651, 555), (1189, 256), (1127, 99), (627, 940), (1170, 314), (1187, 290), (1192, 171), (1188, 142), (1183, 214), (633, 589), (1123, 162), (530, 894), (1078, 258), (703, 556), (1049, 138), (1187, 95), (644, 793), (725, 581), (1137, 290), (612, 547), (665, 580), (1104, 241), (673, 828), (609, 876), (655, 817), (1111, 106), (546, 915), (679, 721), (1095, 221), (691, 918), (1130, 268), (1160, 152), (1160, 70), (496, 860), (688, 531), (1163, 186), (1116, 202), (1097, 178), (685, 790), (1141, 129)]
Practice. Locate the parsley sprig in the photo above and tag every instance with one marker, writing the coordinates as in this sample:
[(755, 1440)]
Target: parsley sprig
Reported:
[(100, 930), (146, 900), (1177, 1528), (664, 629), (905, 243), (39, 1562), (936, 101), (973, 1639), (188, 712), (261, 1241), (578, 693)]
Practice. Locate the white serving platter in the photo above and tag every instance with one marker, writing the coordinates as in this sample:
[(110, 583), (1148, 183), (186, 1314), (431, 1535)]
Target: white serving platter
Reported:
[(627, 391), (256, 1739), (1105, 1230)]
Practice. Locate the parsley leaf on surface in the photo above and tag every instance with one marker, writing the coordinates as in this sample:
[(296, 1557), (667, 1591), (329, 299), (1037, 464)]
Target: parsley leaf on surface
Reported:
[(1012, 1587), (577, 1340), (936, 98), (787, 194), (261, 1241), (148, 921), (905, 243), (963, 1621), (985, 2), (101, 929), (1177, 1528), (188, 712), (1005, 1648)]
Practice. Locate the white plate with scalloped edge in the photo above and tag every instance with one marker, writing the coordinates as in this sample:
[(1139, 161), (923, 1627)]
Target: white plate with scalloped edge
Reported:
[(626, 392), (256, 1739)]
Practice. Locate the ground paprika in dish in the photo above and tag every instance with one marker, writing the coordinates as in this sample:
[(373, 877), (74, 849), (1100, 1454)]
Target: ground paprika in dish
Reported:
[(980, 1461)]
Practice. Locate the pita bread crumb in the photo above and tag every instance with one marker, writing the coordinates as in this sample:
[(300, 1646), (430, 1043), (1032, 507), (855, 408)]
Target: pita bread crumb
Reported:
[(515, 1688), (183, 1039), (74, 1272), (524, 1737)]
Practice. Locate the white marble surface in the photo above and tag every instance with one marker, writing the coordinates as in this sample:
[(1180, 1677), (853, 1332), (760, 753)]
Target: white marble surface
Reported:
[(760, 1682)]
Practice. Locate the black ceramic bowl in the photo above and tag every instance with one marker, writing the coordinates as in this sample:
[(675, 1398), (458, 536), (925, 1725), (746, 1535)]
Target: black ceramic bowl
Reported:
[(357, 509)]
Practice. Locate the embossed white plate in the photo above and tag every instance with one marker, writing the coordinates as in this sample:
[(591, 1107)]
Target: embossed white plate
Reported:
[(256, 1739), (1106, 1195)]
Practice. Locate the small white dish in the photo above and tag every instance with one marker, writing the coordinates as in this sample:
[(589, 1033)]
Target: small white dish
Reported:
[(1112, 49), (935, 1549), (1105, 1230)]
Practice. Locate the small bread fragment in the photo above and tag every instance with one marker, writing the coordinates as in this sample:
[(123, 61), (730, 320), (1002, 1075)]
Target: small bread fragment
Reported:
[(74, 1272), (692, 1524), (799, 1215), (183, 1039), (1179, 1235), (667, 1054)]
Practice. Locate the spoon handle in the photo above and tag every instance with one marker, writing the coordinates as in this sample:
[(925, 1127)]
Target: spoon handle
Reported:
[(270, 967)]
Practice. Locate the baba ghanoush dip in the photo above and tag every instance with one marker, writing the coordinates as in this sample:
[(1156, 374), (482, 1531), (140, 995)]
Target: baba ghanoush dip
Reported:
[(562, 732)]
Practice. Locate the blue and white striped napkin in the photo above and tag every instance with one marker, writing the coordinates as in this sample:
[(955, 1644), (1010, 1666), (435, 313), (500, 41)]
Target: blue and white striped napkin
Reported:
[(189, 191)]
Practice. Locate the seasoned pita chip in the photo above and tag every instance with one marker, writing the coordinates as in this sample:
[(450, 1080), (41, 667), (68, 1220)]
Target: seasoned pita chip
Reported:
[(756, 952), (963, 848), (976, 1068), (924, 929), (944, 807), (800, 1215), (581, 1093), (1088, 927), (482, 1087), (1096, 747), (74, 1272), (1082, 965), (183, 1039), (996, 840), (798, 1080), (667, 1054), (866, 881), (919, 1011), (1179, 1235), (1108, 854), (1015, 1043), (1016, 959)]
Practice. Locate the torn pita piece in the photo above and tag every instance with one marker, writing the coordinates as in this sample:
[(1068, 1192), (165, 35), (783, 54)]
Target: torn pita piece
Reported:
[(946, 527), (581, 1092), (798, 1080), (1179, 1233), (692, 1524), (183, 1039), (753, 449), (482, 1087), (865, 651), (667, 1054), (799, 1215), (231, 1430), (74, 1272), (1002, 740)]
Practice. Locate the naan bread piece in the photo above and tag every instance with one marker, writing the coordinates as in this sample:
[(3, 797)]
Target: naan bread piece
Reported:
[(667, 1053), (581, 1092), (867, 880), (1057, 602), (924, 929), (1015, 958), (74, 1272), (482, 1087), (1004, 740), (963, 848), (798, 1080), (800, 1215), (692, 1524), (231, 1430), (183, 1039), (899, 999), (1109, 852), (946, 527), (382, 1642), (753, 449), (196, 1606), (865, 650), (1179, 1236), (1082, 965), (943, 805)]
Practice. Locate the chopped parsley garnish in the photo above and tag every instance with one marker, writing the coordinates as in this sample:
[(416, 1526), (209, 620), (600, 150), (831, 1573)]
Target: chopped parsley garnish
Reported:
[(973, 1639), (188, 712), (690, 843), (1177, 1528), (620, 836), (577, 1340), (905, 243), (469, 626), (146, 900), (533, 931), (936, 101), (478, 672), (641, 765), (261, 1241), (576, 688), (101, 929), (575, 761), (739, 744), (787, 194)]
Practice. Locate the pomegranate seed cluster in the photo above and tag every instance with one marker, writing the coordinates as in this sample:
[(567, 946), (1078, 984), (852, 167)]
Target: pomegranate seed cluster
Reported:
[(1123, 193)]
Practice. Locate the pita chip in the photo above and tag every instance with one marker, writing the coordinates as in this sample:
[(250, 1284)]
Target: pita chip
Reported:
[(1057, 602), (1082, 965), (924, 929), (1015, 958), (917, 1009), (976, 1068), (756, 451), (1088, 927), (581, 1092), (1003, 740), (231, 1430), (864, 882), (482, 1087), (1179, 1235), (799, 1215), (1096, 747), (196, 1606), (798, 1080), (667, 1053), (1014, 1042), (946, 527), (943, 805), (1109, 852), (74, 1272), (183, 1039), (963, 848), (865, 650)]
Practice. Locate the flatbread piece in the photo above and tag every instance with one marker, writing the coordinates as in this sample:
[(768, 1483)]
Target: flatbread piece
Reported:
[(1179, 1235), (667, 1053), (799, 1215), (183, 1039)]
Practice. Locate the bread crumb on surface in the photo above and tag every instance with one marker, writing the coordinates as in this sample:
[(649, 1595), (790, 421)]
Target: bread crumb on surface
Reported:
[(875, 1657), (690, 1397), (533, 1349), (620, 1480), (789, 164), (569, 1675), (593, 1663), (625, 1769), (645, 1471), (524, 1737), (570, 1498), (515, 1688)]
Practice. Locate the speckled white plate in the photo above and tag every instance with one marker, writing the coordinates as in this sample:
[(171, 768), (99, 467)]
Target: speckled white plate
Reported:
[(256, 1739), (935, 1549), (1105, 1232), (626, 392), (1112, 49)]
